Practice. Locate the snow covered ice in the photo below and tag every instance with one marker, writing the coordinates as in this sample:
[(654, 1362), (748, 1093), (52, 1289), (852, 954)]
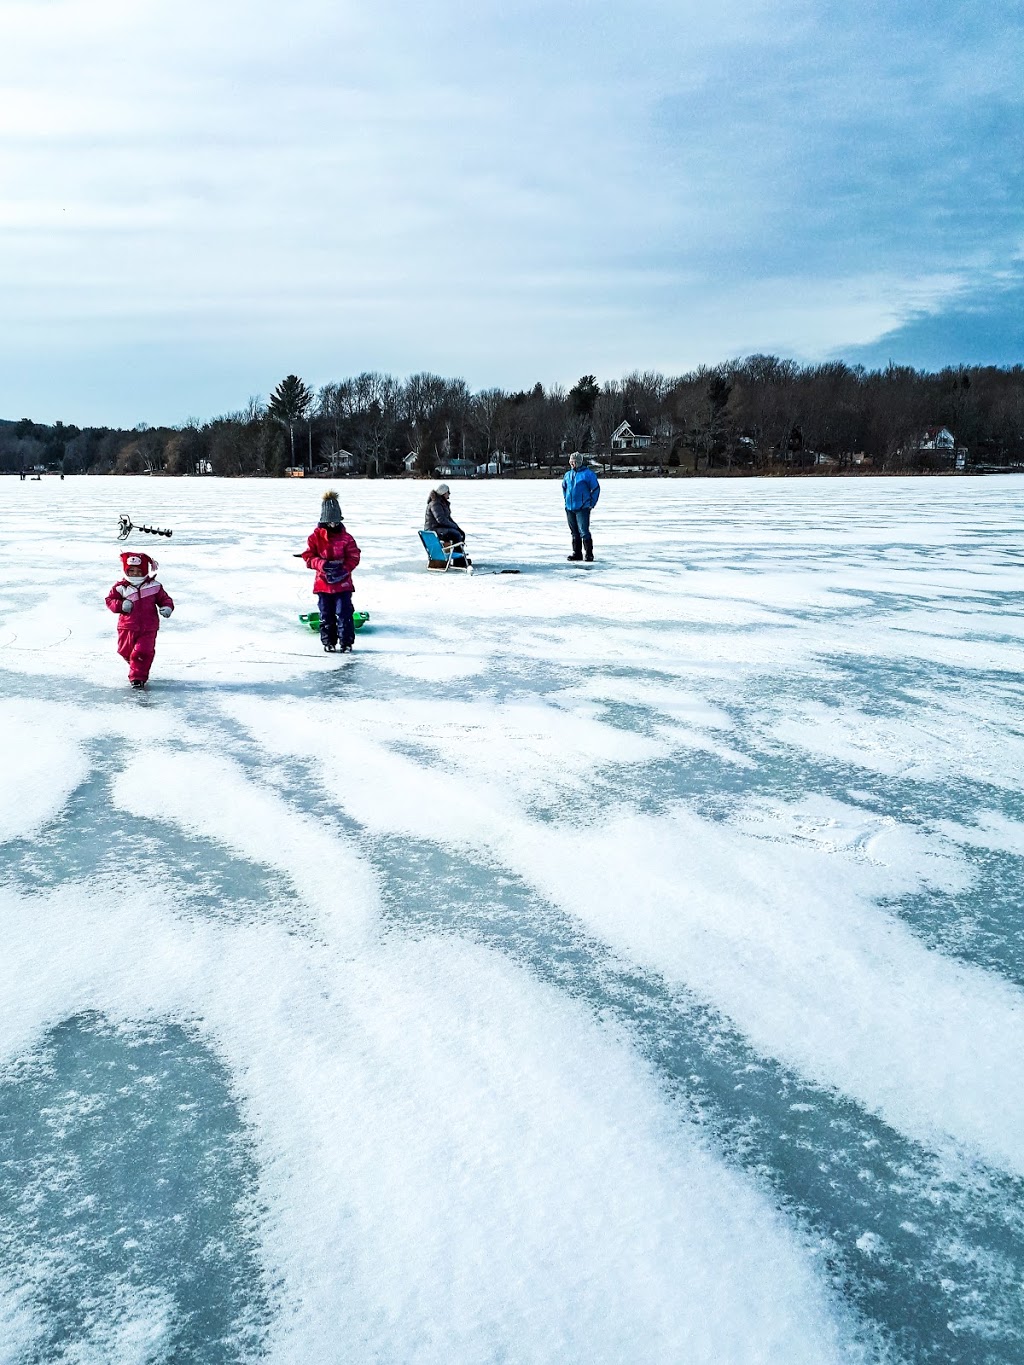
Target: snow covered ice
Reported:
[(607, 963)]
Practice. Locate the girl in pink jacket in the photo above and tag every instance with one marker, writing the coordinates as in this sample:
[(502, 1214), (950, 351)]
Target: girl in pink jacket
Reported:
[(139, 601), (333, 554)]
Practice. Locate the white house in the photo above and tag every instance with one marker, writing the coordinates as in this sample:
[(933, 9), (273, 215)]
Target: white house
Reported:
[(937, 438), (340, 461), (625, 438), (409, 463)]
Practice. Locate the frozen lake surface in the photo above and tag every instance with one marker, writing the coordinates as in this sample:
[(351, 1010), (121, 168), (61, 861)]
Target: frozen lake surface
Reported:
[(618, 963)]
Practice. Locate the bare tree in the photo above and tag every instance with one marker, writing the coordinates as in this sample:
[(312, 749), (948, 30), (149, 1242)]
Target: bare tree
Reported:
[(484, 414), (606, 415)]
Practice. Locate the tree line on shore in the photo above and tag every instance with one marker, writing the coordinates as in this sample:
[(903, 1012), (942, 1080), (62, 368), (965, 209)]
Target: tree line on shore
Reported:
[(760, 414)]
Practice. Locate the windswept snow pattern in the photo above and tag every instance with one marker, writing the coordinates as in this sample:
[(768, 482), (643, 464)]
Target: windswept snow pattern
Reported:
[(602, 963)]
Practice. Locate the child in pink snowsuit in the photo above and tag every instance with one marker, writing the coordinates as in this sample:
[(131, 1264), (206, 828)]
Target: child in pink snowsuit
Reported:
[(139, 601)]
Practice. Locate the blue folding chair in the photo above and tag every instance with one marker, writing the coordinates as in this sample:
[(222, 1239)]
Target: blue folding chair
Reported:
[(443, 557)]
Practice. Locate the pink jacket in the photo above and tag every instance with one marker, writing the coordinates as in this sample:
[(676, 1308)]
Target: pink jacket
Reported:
[(143, 619), (331, 544)]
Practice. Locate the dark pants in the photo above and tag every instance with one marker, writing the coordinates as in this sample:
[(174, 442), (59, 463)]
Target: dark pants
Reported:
[(579, 527), (336, 618), (448, 538)]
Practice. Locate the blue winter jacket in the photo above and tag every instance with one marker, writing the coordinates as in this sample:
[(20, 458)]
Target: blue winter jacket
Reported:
[(580, 488)]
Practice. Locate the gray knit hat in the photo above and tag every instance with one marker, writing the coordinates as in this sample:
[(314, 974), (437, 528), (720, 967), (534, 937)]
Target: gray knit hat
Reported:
[(330, 510)]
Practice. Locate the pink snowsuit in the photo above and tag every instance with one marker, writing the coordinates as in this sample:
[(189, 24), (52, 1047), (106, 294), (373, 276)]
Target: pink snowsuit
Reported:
[(136, 630)]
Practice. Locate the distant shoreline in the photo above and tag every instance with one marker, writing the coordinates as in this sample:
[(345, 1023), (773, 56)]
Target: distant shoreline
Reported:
[(759, 417), (543, 475)]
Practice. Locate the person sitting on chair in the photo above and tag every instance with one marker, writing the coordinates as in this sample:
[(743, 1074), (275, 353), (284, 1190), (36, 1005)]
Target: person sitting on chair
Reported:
[(438, 518)]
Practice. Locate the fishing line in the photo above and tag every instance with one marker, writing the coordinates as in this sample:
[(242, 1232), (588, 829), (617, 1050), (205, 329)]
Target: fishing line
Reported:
[(35, 649)]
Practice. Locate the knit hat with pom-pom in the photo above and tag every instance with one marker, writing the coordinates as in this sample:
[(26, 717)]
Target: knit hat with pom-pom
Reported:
[(330, 510)]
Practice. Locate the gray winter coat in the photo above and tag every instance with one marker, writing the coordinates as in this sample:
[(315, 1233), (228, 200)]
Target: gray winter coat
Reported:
[(439, 518)]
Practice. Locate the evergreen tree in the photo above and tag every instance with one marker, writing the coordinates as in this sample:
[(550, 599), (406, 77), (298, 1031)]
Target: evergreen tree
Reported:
[(289, 403), (583, 395)]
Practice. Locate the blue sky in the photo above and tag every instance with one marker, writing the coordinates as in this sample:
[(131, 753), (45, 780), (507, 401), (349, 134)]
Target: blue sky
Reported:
[(199, 199)]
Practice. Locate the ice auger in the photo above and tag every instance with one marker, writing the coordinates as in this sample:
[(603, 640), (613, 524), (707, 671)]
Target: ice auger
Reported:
[(125, 528)]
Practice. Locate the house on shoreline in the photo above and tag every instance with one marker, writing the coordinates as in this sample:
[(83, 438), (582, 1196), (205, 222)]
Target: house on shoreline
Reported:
[(626, 437)]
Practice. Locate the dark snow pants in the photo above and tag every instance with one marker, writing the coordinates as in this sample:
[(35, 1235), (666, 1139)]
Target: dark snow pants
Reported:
[(336, 618)]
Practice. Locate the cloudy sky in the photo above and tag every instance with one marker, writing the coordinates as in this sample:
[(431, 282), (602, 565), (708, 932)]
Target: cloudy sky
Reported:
[(197, 198)]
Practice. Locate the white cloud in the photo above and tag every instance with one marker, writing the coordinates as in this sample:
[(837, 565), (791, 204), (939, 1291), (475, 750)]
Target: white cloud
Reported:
[(510, 192)]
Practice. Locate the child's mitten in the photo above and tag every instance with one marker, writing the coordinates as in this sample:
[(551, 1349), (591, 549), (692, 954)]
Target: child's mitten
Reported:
[(126, 606), (165, 611)]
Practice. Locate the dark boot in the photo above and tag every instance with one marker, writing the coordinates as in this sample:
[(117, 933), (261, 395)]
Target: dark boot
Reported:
[(588, 546), (577, 549)]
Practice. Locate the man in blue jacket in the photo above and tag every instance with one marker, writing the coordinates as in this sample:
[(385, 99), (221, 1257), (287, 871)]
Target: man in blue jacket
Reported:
[(581, 491)]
